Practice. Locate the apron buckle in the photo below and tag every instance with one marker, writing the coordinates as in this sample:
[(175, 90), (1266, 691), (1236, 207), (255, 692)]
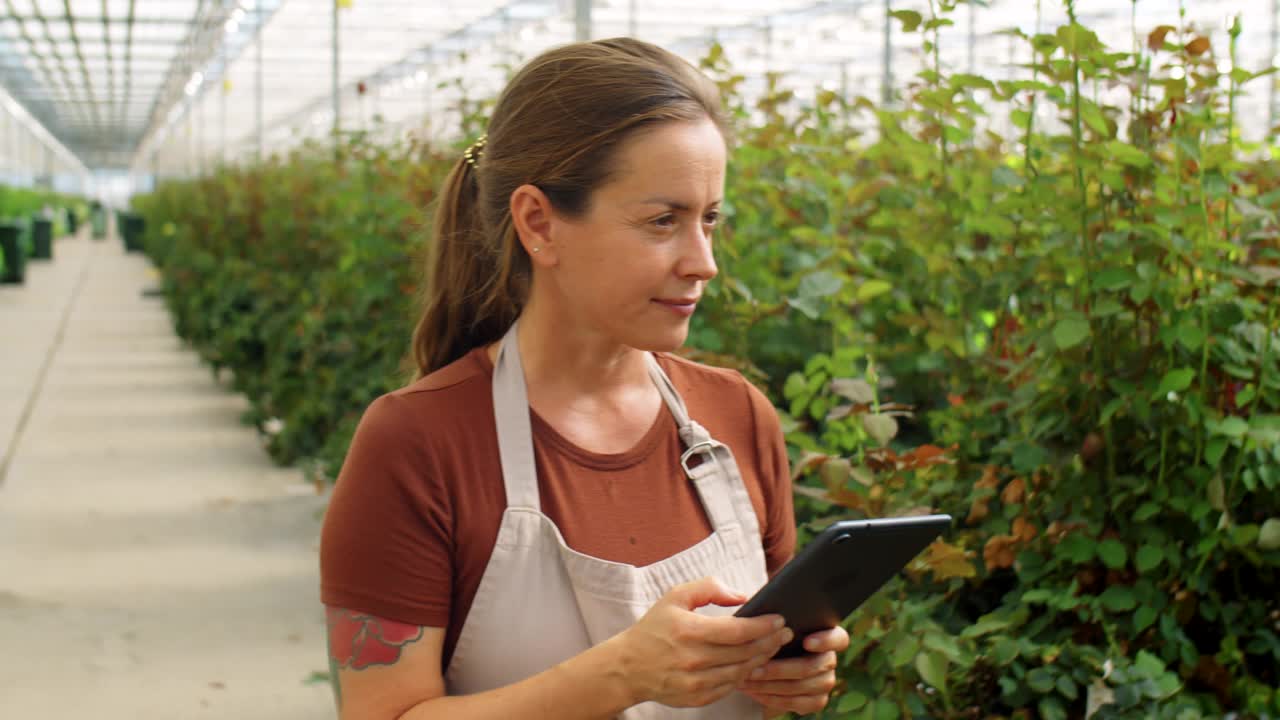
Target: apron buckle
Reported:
[(699, 447)]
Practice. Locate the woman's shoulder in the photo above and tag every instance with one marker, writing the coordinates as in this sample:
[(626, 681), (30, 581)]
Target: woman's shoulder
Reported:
[(435, 405), (724, 390)]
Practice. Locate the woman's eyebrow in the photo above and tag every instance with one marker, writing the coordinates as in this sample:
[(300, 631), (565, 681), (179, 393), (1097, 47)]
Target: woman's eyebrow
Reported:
[(674, 205)]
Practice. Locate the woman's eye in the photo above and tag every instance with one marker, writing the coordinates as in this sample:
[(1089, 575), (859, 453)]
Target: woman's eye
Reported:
[(711, 218), (665, 221)]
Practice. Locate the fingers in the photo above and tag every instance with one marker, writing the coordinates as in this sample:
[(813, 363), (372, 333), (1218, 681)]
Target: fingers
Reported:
[(800, 704), (758, 652), (794, 676), (834, 640), (707, 591), (728, 630), (800, 685)]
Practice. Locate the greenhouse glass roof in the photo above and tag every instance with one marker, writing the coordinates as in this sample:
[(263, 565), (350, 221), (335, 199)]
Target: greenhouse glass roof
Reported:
[(135, 82)]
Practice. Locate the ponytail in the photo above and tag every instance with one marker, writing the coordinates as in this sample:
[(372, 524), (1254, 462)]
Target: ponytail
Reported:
[(474, 292)]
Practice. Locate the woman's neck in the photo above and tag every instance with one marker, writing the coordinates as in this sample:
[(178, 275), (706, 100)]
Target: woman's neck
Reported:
[(565, 363)]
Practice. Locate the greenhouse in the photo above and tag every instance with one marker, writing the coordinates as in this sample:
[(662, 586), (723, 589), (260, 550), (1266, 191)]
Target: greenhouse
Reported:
[(640, 359)]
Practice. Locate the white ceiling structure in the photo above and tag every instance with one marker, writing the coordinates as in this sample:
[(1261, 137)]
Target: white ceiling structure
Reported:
[(174, 86)]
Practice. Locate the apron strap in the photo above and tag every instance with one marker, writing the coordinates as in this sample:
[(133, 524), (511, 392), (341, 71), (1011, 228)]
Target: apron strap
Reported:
[(515, 431), (706, 462)]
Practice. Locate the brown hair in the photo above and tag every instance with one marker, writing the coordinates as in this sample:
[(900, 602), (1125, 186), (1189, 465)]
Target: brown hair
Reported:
[(558, 125)]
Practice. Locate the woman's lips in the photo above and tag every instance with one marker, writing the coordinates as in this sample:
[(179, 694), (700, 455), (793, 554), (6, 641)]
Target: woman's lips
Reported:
[(680, 306)]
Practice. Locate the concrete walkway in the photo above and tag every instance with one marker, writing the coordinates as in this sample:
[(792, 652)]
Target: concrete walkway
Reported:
[(154, 564)]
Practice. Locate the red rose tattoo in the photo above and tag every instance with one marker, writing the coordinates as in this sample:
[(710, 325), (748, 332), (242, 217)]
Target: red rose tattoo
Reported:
[(361, 641)]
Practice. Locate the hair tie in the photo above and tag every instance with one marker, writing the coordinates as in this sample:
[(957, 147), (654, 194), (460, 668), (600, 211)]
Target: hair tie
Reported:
[(475, 150)]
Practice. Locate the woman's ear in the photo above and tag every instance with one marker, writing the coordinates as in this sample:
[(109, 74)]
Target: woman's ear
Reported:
[(533, 217)]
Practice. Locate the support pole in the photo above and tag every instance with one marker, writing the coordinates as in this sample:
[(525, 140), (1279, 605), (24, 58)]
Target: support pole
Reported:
[(582, 20), (973, 35), (886, 80), (337, 96), (631, 19), (1272, 99), (257, 85)]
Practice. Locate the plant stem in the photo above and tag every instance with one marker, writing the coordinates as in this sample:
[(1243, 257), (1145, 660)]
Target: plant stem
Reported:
[(1031, 110), (937, 69), (1082, 190)]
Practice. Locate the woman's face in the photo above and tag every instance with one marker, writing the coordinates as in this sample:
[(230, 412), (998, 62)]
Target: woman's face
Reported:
[(633, 267)]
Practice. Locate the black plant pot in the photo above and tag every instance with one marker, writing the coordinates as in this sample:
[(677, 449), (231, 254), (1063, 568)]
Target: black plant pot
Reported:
[(133, 228), (15, 265), (42, 237)]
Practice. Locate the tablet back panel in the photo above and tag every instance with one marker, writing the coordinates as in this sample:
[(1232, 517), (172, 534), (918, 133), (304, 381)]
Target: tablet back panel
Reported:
[(842, 567)]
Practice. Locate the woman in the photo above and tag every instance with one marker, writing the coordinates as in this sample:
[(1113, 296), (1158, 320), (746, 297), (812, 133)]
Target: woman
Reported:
[(536, 528)]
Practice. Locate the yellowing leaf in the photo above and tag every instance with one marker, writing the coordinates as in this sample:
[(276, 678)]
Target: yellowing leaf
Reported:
[(947, 561), (910, 19), (1155, 40), (855, 389), (1070, 331), (882, 428), (1269, 535), (1199, 46), (873, 288), (932, 668)]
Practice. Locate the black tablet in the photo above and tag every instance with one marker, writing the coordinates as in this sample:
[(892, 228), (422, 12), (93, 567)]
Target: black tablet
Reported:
[(838, 570)]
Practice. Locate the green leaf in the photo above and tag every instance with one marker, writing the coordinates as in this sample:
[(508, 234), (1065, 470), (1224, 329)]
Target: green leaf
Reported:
[(885, 710), (1146, 511), (1067, 687), (1113, 278), (1269, 535), (1191, 336), (1127, 154), (1077, 548), (1148, 557), (944, 644), (933, 669), (1149, 664), (1110, 409), (820, 284), (910, 19), (1118, 599), (851, 700), (1143, 618), (1076, 39), (1092, 115), (1233, 427), (1214, 450), (1113, 553), (1175, 381), (1040, 680), (1005, 650), (1028, 457), (1070, 331), (807, 306), (904, 652), (1051, 709), (873, 288), (881, 428)]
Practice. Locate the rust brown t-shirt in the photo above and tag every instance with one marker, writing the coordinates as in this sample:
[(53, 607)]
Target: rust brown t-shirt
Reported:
[(417, 505)]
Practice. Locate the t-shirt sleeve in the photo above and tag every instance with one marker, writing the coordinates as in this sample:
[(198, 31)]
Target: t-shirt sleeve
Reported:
[(779, 530), (385, 545)]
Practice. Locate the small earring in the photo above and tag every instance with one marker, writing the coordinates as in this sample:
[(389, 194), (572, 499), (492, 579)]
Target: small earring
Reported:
[(537, 249)]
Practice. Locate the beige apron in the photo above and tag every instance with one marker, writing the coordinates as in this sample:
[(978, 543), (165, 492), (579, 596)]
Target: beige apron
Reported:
[(541, 602)]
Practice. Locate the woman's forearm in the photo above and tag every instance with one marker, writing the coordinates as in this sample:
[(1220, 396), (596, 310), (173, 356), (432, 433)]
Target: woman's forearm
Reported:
[(588, 686)]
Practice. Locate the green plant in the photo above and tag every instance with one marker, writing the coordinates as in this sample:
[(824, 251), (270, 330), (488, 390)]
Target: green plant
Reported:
[(1064, 334)]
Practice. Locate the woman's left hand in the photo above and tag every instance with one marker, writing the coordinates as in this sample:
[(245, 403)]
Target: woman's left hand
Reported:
[(802, 684)]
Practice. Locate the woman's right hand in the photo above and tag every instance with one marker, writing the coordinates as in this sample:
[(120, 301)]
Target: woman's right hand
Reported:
[(680, 658)]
